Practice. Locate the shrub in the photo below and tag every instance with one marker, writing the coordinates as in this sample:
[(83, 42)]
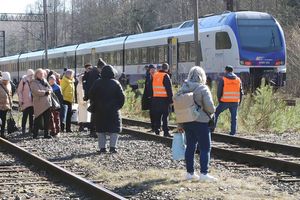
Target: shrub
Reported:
[(263, 110)]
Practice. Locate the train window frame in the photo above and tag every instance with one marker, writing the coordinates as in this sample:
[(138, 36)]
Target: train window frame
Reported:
[(161, 54), (222, 40), (151, 55), (128, 56), (192, 58), (182, 56), (144, 55), (135, 56)]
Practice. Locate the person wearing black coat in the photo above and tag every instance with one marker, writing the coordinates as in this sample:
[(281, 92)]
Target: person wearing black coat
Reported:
[(147, 95), (108, 97)]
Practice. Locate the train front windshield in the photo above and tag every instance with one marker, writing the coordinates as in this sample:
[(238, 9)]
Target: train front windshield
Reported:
[(259, 35)]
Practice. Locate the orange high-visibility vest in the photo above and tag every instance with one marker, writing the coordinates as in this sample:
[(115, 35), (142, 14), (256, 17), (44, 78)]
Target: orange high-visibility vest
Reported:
[(231, 90), (159, 89)]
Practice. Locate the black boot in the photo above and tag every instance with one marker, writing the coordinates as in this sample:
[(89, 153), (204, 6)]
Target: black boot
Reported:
[(47, 136), (113, 150), (102, 150), (62, 127), (23, 131), (3, 136)]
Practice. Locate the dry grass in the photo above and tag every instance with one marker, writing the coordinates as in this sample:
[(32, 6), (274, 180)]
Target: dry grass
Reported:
[(228, 186)]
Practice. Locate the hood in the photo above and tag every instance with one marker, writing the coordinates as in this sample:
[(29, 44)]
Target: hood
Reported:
[(231, 75), (188, 86), (108, 72)]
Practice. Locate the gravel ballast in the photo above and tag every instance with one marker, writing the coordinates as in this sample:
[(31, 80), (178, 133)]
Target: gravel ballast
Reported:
[(144, 170)]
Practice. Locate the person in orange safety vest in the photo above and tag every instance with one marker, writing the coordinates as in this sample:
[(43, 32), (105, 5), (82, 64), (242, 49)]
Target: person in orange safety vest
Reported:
[(230, 92), (161, 99)]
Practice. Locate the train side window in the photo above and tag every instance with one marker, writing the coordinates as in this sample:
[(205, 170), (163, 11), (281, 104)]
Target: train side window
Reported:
[(182, 52), (144, 56), (118, 57), (151, 55), (161, 54), (128, 56), (223, 40), (87, 58), (191, 52), (135, 56)]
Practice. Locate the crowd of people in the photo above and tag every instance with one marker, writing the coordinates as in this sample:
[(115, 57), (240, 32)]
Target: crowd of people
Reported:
[(46, 99)]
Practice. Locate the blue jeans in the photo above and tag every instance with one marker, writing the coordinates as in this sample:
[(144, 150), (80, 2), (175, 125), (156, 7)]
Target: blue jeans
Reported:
[(233, 108), (197, 133)]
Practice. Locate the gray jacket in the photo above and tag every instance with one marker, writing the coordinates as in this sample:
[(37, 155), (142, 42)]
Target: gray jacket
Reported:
[(202, 97)]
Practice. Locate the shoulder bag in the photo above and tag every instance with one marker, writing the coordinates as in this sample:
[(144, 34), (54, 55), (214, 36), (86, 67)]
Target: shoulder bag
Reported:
[(11, 124)]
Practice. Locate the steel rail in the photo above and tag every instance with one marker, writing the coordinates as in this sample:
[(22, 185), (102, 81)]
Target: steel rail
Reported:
[(242, 141), (93, 190), (225, 154)]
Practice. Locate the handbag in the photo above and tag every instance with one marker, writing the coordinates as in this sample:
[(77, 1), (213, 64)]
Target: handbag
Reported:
[(55, 105), (11, 124), (178, 146)]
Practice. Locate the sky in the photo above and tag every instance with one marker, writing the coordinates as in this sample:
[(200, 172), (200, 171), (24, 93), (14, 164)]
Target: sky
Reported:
[(14, 6)]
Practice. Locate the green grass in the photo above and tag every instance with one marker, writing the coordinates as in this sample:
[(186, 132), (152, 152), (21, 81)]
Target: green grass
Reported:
[(262, 111)]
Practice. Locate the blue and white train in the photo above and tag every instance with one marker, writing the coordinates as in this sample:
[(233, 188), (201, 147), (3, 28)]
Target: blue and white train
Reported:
[(252, 42)]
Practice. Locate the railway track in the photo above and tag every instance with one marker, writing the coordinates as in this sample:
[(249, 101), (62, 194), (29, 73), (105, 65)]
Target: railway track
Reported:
[(57, 170), (278, 157)]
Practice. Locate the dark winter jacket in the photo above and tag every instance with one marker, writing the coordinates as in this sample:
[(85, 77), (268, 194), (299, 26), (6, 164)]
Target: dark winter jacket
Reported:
[(108, 98), (57, 91), (230, 75), (146, 99), (89, 79)]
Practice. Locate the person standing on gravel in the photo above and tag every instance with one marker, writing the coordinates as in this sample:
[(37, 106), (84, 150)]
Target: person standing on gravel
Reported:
[(5, 99), (198, 132), (230, 93), (25, 100), (41, 93), (147, 95), (161, 99), (55, 113), (89, 78), (68, 92), (108, 98)]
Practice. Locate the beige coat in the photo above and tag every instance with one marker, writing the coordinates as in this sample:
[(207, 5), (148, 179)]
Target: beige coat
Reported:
[(24, 94), (4, 100), (83, 114), (41, 102)]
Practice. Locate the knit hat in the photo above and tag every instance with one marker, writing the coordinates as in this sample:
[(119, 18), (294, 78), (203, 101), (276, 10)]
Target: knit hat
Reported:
[(229, 68), (29, 72), (6, 76), (152, 66), (52, 77)]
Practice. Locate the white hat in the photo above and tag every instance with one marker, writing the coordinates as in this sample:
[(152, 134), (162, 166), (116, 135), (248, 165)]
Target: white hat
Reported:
[(29, 72), (6, 76)]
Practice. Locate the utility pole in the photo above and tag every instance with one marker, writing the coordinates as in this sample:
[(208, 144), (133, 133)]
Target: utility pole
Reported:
[(196, 33), (45, 33), (229, 5)]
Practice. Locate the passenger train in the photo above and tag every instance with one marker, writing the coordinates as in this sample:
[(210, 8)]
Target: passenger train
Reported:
[(252, 42)]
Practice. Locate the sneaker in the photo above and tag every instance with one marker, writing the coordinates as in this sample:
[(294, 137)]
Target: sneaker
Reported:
[(207, 177), (190, 176)]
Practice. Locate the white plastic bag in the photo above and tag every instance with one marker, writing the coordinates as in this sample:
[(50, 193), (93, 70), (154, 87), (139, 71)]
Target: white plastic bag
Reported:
[(178, 146)]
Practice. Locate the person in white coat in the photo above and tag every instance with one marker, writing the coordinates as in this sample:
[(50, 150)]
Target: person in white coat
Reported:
[(84, 117)]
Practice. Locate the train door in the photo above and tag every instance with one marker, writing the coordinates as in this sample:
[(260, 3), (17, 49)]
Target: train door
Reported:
[(173, 58)]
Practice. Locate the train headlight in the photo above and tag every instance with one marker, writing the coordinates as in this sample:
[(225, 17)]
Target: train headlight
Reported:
[(279, 62)]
